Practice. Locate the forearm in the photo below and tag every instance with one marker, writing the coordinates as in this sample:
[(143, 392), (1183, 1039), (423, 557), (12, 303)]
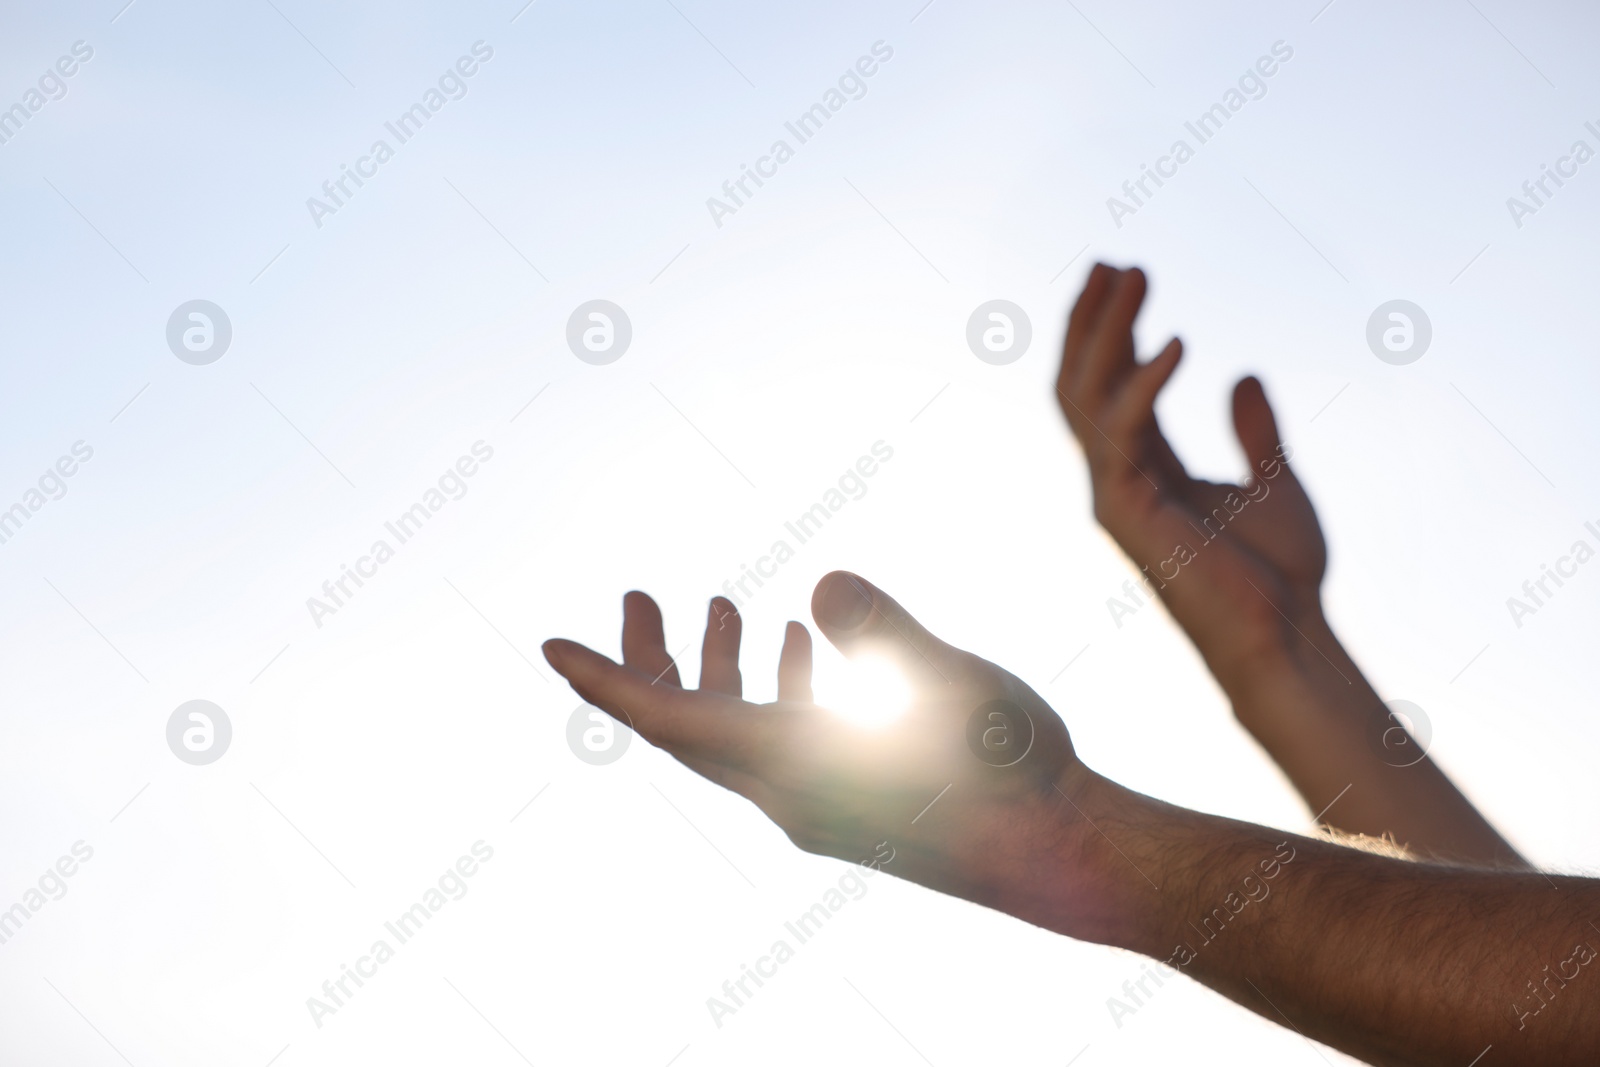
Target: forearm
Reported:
[(1395, 962), (1320, 720)]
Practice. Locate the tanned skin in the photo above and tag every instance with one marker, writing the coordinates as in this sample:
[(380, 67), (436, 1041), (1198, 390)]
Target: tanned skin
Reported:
[(1393, 960), (1240, 568)]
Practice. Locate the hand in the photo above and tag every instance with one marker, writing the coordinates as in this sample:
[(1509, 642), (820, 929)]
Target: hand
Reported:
[(1280, 923), (956, 822), (1241, 567), (1233, 562)]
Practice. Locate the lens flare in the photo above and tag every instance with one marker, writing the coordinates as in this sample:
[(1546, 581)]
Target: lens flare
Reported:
[(869, 692)]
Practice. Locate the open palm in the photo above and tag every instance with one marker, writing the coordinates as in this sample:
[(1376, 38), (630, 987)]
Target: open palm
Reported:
[(1233, 562), (962, 790)]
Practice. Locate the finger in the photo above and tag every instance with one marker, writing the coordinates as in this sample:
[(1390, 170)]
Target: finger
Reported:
[(1135, 404), (1085, 312), (719, 652), (704, 726), (1255, 426), (858, 618), (794, 665), (1108, 353), (644, 642)]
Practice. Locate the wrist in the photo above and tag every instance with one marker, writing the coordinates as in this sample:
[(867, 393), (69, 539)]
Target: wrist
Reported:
[(1160, 880), (1303, 675), (1081, 880), (1271, 641)]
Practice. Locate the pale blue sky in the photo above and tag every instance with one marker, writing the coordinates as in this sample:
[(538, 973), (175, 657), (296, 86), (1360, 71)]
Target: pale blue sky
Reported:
[(768, 354)]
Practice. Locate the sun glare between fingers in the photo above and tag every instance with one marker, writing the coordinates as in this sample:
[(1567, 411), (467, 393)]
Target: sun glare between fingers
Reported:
[(869, 692)]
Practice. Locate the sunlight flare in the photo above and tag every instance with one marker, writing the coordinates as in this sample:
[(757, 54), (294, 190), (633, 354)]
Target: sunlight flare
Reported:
[(869, 692)]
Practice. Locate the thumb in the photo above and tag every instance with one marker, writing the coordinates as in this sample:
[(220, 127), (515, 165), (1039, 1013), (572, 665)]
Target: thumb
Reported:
[(859, 618), (1255, 426)]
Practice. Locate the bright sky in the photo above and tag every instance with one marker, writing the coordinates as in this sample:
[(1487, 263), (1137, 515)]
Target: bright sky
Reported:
[(423, 322)]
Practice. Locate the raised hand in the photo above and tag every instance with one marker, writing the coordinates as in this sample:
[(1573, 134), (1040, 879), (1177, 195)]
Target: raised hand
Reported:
[(1240, 567), (1236, 564), (1014, 820), (974, 790)]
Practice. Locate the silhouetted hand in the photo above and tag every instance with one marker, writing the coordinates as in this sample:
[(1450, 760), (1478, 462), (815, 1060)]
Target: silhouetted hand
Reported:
[(1233, 562), (1240, 567), (974, 787), (1283, 924)]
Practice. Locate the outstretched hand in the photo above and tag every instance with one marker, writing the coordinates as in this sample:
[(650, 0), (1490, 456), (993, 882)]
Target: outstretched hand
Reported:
[(1233, 562), (975, 787), (1241, 567)]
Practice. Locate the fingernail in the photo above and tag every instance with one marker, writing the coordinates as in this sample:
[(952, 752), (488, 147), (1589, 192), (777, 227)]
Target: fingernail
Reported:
[(553, 653), (846, 605)]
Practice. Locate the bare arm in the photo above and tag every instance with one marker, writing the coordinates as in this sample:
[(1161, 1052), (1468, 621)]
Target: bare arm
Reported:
[(1392, 961), (978, 792), (1240, 568)]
